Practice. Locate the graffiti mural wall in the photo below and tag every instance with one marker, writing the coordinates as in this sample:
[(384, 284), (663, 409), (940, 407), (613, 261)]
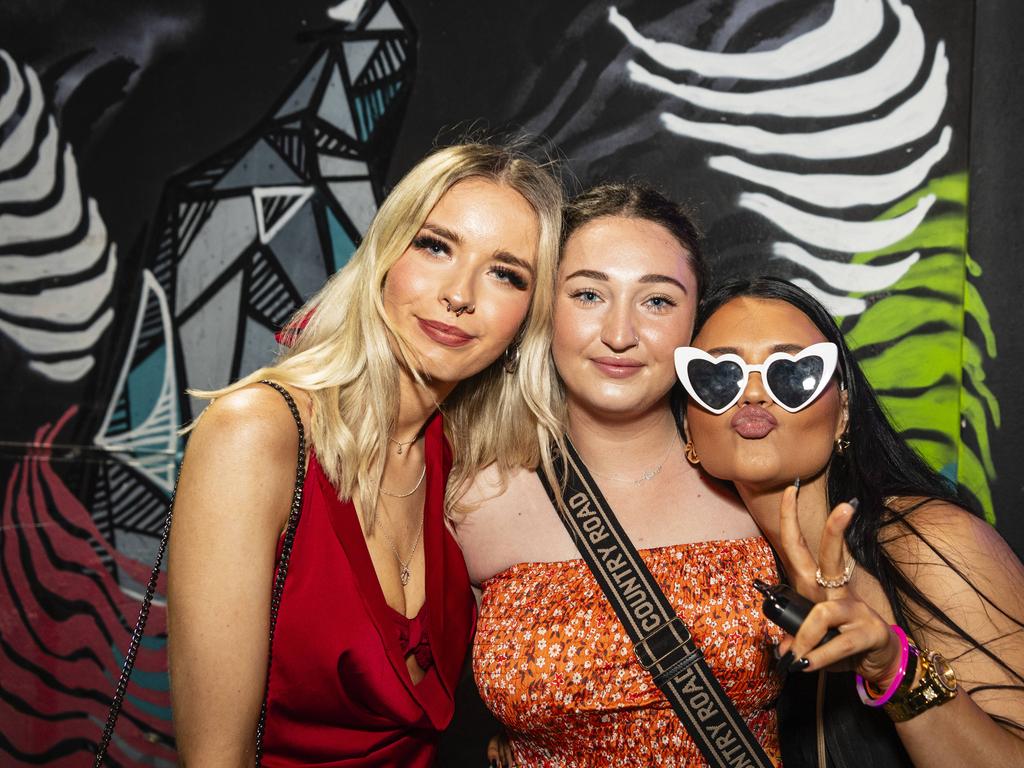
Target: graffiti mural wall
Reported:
[(176, 180)]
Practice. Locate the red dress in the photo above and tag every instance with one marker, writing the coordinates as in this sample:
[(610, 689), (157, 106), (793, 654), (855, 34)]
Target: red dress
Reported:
[(339, 692)]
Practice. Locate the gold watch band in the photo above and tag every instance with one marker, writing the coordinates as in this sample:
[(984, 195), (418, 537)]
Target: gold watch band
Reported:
[(937, 685)]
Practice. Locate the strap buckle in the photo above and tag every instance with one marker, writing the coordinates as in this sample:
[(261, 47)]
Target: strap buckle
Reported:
[(678, 638)]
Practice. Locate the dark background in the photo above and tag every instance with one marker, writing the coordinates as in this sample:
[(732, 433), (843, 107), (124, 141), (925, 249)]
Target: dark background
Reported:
[(178, 81)]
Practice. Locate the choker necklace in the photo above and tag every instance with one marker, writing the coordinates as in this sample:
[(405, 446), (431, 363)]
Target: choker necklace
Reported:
[(405, 574), (407, 493), (648, 474), (402, 445)]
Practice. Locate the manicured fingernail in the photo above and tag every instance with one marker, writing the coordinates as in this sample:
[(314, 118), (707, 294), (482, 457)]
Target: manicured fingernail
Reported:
[(800, 665), (796, 483), (782, 665), (493, 764), (854, 502)]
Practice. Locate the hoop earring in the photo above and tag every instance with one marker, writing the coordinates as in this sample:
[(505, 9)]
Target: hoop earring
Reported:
[(691, 453), (510, 362), (842, 443)]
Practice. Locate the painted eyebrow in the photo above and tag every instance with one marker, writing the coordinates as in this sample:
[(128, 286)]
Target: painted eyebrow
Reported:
[(503, 256), (653, 278), (787, 348)]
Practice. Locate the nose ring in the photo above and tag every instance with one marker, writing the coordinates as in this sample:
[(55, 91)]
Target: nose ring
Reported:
[(459, 310)]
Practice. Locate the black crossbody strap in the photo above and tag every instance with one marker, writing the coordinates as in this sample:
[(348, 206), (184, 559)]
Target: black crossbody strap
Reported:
[(275, 598), (661, 641)]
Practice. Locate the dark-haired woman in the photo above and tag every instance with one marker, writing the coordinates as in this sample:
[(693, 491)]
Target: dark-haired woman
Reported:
[(550, 657), (926, 598)]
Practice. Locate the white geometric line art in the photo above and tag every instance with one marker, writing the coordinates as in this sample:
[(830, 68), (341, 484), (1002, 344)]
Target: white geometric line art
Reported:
[(296, 198), (153, 443)]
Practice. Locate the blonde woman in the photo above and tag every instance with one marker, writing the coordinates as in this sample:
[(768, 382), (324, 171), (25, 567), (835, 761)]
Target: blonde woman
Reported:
[(449, 289)]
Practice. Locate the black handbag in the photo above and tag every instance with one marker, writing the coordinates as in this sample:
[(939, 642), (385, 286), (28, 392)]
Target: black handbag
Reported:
[(275, 598)]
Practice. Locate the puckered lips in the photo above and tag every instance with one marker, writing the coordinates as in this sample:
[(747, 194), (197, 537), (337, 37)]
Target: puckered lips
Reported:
[(753, 422)]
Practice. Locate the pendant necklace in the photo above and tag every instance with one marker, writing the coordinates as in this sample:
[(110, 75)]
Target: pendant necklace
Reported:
[(405, 573), (648, 474), (401, 445)]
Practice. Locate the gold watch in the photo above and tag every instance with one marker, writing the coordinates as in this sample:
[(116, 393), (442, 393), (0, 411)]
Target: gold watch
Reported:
[(937, 685)]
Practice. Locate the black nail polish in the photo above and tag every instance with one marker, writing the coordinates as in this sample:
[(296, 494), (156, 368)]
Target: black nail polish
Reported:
[(799, 665), (784, 662), (796, 484), (854, 502)]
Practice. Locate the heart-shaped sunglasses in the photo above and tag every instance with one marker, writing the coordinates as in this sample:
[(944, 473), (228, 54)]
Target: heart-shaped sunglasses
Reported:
[(792, 381)]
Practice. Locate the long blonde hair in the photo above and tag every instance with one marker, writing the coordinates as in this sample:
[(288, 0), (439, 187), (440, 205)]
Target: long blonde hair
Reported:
[(344, 359)]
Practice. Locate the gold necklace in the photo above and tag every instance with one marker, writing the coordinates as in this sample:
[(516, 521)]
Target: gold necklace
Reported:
[(401, 445), (648, 474), (405, 574), (408, 493)]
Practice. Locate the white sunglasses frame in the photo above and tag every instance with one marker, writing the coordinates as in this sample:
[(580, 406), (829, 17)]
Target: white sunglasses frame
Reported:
[(826, 350)]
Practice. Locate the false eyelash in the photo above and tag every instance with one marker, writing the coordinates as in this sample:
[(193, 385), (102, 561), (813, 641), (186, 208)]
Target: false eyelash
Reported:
[(512, 276), (426, 242)]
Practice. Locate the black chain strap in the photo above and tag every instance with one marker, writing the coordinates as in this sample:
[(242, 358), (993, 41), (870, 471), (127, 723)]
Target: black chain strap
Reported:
[(275, 598)]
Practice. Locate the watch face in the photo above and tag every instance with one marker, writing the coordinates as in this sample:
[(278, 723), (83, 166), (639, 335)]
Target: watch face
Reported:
[(944, 672)]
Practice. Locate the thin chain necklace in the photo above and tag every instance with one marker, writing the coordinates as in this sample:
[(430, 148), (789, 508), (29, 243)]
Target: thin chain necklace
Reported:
[(401, 445), (648, 474), (408, 493), (404, 574)]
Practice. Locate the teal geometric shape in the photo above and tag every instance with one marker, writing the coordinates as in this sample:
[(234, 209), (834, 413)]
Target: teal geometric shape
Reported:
[(342, 246), (144, 384), (371, 106)]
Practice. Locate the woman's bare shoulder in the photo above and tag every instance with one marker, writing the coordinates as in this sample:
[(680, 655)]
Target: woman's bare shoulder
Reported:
[(958, 561), (509, 520), (241, 458), (253, 421)]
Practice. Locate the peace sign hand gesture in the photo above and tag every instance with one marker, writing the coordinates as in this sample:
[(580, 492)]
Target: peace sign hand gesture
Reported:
[(865, 642)]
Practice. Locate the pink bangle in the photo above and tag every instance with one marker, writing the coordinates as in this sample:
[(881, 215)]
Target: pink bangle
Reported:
[(901, 672)]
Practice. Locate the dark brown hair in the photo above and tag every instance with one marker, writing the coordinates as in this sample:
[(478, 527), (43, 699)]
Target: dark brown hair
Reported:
[(639, 201)]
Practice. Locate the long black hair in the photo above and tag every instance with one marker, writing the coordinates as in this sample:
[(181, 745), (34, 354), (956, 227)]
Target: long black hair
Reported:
[(876, 467)]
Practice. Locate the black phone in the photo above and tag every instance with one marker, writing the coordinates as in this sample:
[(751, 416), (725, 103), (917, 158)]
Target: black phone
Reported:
[(787, 608)]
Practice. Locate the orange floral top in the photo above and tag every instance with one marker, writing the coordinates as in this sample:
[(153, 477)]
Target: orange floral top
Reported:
[(555, 665)]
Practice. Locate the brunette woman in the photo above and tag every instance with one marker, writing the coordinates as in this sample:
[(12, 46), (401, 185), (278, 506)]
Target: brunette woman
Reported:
[(926, 598), (550, 657)]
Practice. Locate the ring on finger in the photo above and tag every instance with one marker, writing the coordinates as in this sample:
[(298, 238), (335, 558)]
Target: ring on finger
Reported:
[(836, 583)]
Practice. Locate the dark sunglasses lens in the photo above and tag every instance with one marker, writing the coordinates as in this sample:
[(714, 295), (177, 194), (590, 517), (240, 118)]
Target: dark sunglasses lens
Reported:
[(715, 383), (794, 382)]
